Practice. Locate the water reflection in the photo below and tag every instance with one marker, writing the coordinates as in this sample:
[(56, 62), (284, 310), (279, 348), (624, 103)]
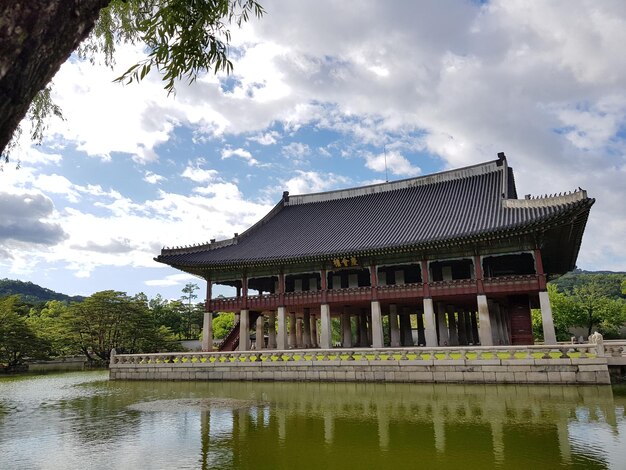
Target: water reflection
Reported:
[(79, 420)]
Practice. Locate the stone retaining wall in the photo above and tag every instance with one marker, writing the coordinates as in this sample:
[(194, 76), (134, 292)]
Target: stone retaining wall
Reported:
[(518, 371)]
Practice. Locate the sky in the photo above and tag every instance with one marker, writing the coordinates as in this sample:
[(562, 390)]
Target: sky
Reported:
[(321, 91)]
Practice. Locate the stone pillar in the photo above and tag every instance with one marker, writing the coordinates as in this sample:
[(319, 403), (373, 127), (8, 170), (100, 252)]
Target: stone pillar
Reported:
[(293, 343), (406, 335), (377, 325), (452, 331), (260, 333), (474, 327), (462, 328), (430, 331), (314, 341), (394, 331), (444, 339), (346, 330), (484, 333), (299, 332), (326, 333), (421, 340), (306, 330), (496, 324), (282, 329), (244, 331), (504, 321), (207, 332), (271, 330), (468, 327), (362, 330), (549, 335)]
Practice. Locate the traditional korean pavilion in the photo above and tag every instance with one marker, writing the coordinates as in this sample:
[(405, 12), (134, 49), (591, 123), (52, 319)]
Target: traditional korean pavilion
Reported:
[(452, 258)]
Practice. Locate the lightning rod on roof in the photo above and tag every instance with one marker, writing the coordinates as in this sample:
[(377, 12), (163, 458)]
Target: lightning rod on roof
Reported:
[(385, 153)]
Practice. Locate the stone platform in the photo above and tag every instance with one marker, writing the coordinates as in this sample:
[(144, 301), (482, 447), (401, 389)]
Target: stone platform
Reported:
[(560, 364)]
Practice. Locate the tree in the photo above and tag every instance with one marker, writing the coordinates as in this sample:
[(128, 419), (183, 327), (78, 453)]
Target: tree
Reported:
[(183, 38), (48, 324), (222, 324), (17, 340), (589, 306), (111, 319), (193, 314), (596, 308)]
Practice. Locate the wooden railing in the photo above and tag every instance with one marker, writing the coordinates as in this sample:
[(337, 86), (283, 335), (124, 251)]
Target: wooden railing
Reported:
[(493, 285)]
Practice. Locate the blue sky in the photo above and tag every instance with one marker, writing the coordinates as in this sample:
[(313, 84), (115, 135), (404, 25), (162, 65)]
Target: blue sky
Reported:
[(320, 91)]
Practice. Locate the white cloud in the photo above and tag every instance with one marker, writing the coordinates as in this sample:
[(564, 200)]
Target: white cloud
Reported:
[(393, 162), (241, 153), (439, 83), (171, 280), (267, 138), (296, 151), (199, 175), (313, 182), (153, 178)]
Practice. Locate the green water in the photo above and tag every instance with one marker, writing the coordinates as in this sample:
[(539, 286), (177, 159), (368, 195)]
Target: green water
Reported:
[(83, 421)]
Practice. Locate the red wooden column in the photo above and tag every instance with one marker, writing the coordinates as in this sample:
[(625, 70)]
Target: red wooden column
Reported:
[(324, 285), (244, 291), (281, 289), (540, 273), (374, 281), (425, 280), (478, 270), (209, 294)]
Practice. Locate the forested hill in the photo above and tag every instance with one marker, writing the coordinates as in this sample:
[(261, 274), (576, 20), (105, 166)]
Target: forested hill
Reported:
[(32, 292), (613, 284)]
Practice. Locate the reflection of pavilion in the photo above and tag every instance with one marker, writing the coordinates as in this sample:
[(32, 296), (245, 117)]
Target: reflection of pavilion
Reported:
[(454, 256), (429, 421)]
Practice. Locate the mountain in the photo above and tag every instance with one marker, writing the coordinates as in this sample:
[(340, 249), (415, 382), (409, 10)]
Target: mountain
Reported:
[(32, 292), (610, 281)]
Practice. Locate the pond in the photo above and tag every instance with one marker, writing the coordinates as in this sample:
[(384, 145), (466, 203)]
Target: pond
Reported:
[(81, 420)]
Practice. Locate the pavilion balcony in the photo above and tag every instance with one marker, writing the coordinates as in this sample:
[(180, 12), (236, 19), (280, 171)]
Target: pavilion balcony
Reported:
[(453, 287), (521, 283), (400, 291), (494, 285)]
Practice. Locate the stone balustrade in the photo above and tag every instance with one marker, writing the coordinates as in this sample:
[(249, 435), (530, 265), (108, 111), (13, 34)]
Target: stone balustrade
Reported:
[(562, 364), (425, 355)]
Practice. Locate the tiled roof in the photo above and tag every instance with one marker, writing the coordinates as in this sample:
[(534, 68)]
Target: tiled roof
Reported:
[(467, 203)]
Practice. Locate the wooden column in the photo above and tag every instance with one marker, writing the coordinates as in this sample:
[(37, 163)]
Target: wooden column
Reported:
[(281, 289), (478, 271), (244, 291), (374, 281), (425, 279), (539, 268)]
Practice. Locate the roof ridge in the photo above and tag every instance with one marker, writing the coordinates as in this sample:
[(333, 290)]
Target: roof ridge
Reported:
[(440, 177), (546, 200)]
